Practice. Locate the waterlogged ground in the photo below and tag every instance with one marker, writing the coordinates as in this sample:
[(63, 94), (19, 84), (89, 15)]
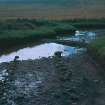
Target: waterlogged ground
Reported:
[(48, 49), (39, 51), (67, 81), (74, 79)]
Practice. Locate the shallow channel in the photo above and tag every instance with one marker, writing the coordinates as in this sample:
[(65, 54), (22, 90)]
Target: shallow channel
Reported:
[(48, 49)]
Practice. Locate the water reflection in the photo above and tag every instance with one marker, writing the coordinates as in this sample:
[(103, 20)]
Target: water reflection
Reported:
[(36, 52), (81, 36)]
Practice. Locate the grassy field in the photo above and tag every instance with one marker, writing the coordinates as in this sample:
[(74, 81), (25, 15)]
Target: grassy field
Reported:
[(97, 49), (19, 31), (86, 23), (51, 13), (52, 9), (14, 32)]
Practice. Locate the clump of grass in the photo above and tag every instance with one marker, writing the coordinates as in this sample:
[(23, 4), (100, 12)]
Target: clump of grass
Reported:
[(64, 28), (97, 49)]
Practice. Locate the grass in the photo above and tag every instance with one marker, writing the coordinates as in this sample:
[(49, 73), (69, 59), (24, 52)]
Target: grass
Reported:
[(17, 31), (11, 38), (97, 49), (61, 9), (86, 23), (14, 32)]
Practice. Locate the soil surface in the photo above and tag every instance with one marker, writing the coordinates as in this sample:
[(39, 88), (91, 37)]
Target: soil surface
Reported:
[(75, 80), (85, 9)]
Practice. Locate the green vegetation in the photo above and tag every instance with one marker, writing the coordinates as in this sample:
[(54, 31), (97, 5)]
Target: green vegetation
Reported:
[(86, 23), (15, 32), (10, 38), (18, 31), (97, 49)]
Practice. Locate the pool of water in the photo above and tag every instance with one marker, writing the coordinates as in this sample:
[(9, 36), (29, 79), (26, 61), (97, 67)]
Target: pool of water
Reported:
[(39, 51), (48, 49), (80, 36)]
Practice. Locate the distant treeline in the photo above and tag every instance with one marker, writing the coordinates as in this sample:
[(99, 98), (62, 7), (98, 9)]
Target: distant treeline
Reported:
[(18, 31)]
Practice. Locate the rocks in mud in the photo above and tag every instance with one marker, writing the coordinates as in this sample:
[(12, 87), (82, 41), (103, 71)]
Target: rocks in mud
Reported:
[(63, 72), (48, 81), (3, 75), (4, 86), (64, 75)]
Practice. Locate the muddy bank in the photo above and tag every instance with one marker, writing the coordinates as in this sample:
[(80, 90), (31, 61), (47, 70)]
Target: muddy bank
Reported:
[(52, 81)]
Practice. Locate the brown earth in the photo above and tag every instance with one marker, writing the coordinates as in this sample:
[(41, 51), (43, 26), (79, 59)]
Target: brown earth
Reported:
[(50, 12), (67, 81)]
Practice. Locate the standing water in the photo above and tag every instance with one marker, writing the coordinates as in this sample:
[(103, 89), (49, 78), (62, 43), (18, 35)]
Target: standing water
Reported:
[(39, 51), (48, 49)]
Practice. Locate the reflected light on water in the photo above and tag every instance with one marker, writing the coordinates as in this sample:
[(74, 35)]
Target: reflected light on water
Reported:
[(36, 52)]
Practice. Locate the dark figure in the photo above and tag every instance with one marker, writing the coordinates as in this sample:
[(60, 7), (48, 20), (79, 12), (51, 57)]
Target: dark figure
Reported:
[(16, 58), (58, 54)]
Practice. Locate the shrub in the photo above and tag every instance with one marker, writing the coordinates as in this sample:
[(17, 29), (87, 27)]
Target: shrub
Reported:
[(97, 49)]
